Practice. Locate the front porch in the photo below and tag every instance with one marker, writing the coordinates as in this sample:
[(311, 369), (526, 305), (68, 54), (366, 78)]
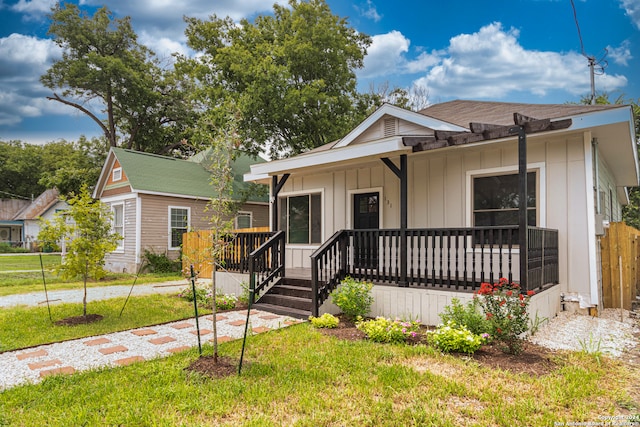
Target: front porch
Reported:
[(445, 259)]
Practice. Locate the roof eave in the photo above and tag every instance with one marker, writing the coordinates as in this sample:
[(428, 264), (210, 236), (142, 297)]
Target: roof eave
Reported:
[(386, 147)]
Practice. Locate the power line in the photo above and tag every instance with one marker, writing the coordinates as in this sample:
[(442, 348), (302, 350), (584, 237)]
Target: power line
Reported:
[(15, 195), (601, 64)]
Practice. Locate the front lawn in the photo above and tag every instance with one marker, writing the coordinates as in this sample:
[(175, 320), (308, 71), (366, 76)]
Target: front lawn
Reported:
[(28, 326), (299, 376), (22, 283), (28, 262)]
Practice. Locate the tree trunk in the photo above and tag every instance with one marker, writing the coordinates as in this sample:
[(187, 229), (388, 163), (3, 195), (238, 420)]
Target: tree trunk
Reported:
[(214, 313), (84, 297)]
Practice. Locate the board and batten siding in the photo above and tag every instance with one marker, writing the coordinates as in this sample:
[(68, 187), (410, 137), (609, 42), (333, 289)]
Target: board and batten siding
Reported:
[(439, 187)]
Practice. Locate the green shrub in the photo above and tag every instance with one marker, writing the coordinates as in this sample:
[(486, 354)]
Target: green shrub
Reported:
[(161, 263), (389, 331), (505, 307), (469, 315), (202, 295), (353, 297), (6, 248), (225, 301), (451, 337), (325, 321)]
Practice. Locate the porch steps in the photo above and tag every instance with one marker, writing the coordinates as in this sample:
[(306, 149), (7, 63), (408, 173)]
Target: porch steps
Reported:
[(290, 297)]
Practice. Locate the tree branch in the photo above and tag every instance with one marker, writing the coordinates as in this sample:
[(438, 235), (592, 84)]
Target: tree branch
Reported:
[(56, 97)]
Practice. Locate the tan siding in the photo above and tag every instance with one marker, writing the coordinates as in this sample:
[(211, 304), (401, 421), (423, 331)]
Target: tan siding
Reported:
[(155, 220), (259, 214)]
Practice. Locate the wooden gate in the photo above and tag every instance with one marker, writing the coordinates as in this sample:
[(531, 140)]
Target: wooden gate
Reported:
[(620, 256)]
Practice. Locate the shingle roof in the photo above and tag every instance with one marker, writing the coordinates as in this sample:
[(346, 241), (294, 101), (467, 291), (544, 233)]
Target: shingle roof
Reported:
[(153, 173), (461, 112), (40, 205)]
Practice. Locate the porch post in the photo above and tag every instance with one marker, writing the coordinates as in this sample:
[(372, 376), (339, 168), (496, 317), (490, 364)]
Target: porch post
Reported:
[(401, 173), (276, 186), (522, 207)]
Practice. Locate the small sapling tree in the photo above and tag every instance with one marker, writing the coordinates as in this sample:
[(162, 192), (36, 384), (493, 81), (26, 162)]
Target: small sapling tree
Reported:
[(86, 230), (223, 143)]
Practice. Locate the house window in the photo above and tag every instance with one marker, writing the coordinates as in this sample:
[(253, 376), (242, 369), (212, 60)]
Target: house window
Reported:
[(118, 224), (244, 220), (116, 174), (301, 218), (178, 225), (496, 199)]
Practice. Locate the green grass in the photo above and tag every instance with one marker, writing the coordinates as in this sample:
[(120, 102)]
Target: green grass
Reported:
[(21, 283), (28, 262), (28, 326), (297, 376)]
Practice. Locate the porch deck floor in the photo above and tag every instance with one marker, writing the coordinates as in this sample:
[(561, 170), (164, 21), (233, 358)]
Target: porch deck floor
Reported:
[(298, 273)]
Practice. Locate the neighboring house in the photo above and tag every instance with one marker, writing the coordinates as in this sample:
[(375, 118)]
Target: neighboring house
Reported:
[(426, 204), (155, 199), (20, 224)]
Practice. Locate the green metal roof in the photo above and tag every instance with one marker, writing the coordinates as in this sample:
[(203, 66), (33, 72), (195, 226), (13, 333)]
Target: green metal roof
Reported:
[(158, 174)]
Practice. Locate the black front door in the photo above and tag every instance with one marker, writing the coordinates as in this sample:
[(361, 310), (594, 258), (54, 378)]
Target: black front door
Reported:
[(366, 216)]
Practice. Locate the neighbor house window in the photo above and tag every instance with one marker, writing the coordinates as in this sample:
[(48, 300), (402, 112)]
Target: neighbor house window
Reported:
[(301, 218), (178, 225), (117, 174), (243, 220), (496, 199), (118, 223)]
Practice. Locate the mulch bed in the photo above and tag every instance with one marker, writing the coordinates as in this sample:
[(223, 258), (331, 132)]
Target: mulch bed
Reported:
[(79, 320), (533, 360), (207, 366)]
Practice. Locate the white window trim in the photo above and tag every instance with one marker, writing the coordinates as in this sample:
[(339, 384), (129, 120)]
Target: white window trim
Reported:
[(349, 203), (169, 208), (322, 216), (116, 172), (120, 247), (541, 197), (235, 220)]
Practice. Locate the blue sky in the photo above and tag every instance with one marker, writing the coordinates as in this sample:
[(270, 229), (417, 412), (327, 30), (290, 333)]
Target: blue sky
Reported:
[(511, 51)]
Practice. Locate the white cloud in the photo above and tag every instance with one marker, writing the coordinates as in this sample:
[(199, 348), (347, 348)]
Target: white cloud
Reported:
[(24, 60), (492, 64), (387, 56), (164, 18), (632, 9), (621, 54), (369, 11), (34, 7)]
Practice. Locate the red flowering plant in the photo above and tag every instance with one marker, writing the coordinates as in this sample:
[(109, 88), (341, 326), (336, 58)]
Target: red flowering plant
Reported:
[(506, 309)]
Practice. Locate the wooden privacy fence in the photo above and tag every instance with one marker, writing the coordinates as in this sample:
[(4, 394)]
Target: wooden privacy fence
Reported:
[(196, 245), (620, 257)]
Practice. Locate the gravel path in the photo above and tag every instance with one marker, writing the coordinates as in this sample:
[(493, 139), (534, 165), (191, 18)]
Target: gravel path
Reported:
[(607, 333), (93, 293), (122, 348)]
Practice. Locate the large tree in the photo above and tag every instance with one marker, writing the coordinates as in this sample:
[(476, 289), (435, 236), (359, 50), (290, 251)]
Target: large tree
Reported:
[(26, 170), (291, 74), (140, 104)]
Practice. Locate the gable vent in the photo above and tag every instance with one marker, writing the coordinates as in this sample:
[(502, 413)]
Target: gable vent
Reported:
[(390, 126)]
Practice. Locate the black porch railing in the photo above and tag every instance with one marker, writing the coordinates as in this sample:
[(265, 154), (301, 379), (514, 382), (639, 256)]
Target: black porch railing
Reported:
[(443, 258), (266, 264), (236, 257), (447, 258)]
